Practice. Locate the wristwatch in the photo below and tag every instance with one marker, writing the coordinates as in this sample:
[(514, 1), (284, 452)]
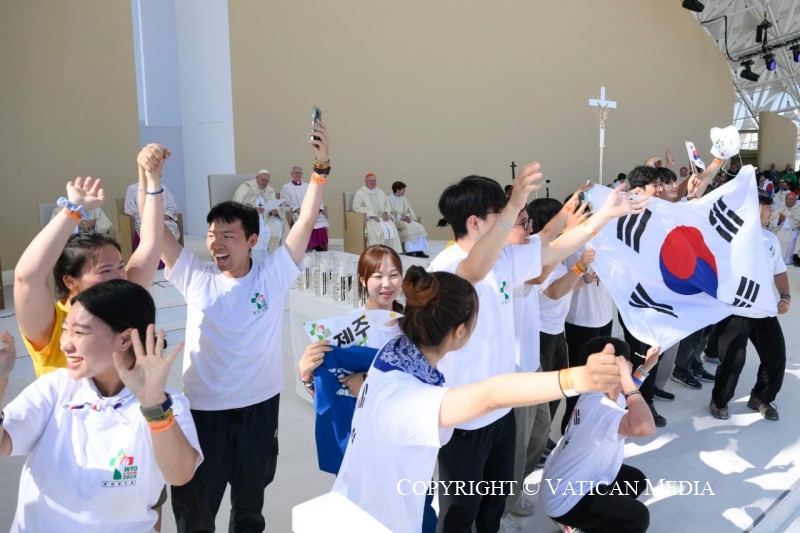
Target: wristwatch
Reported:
[(157, 411)]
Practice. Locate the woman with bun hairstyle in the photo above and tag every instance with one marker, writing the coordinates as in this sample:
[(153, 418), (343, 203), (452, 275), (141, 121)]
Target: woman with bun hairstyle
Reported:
[(405, 413)]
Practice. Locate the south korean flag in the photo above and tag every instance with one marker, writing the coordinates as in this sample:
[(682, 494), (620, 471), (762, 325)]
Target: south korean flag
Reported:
[(678, 267)]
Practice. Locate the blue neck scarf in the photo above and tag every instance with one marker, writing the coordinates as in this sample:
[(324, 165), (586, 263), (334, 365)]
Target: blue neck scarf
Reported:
[(401, 354)]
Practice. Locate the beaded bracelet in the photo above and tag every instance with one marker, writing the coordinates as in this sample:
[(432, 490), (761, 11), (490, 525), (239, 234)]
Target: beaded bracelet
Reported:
[(632, 393)]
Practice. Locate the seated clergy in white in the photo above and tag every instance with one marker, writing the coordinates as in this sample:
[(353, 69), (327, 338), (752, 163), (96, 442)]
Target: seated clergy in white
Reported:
[(292, 194), (170, 210), (371, 200), (96, 222), (412, 233), (258, 193)]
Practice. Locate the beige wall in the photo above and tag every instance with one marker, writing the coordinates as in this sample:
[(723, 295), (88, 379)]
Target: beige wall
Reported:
[(67, 107), (777, 141), (429, 92)]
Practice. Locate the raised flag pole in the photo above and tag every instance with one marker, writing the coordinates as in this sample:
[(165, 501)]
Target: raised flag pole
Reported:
[(602, 106)]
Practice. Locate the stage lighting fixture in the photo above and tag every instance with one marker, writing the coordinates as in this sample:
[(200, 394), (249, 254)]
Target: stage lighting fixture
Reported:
[(796, 53), (747, 73), (769, 61), (761, 30), (693, 5)]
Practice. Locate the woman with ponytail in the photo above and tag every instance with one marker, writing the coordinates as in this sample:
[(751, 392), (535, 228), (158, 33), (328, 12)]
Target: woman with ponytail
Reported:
[(405, 413)]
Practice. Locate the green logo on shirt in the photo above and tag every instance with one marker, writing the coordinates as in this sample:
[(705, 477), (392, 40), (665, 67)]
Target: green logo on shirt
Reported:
[(260, 301), (504, 290), (125, 470)]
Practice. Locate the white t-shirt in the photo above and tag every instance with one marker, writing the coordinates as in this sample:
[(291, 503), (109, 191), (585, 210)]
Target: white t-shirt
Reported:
[(526, 325), (591, 305), (590, 450), (393, 445), (90, 464), (491, 350), (773, 247), (232, 356), (553, 312)]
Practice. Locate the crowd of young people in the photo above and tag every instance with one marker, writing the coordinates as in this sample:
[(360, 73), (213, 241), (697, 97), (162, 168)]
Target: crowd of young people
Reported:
[(508, 318)]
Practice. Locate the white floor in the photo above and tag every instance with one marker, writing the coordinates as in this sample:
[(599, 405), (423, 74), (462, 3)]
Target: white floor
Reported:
[(751, 465)]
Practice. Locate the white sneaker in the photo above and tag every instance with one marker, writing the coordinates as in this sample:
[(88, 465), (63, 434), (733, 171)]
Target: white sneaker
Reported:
[(523, 507), (510, 524)]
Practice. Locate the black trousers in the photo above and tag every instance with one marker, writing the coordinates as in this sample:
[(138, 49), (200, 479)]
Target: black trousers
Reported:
[(485, 454), (240, 447), (687, 360), (767, 338), (606, 511), (553, 356), (576, 337)]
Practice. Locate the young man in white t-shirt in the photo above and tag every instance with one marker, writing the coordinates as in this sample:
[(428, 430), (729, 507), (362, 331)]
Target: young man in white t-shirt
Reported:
[(765, 334), (232, 371), (481, 218)]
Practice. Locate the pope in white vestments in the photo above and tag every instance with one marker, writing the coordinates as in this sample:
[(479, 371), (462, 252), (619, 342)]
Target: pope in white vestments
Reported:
[(258, 193)]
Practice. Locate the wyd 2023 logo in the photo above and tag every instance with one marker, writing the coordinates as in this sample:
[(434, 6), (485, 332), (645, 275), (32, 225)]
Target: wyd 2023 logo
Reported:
[(124, 470)]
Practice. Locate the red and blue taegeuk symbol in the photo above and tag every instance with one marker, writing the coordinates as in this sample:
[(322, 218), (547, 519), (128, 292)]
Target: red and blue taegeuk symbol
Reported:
[(687, 265)]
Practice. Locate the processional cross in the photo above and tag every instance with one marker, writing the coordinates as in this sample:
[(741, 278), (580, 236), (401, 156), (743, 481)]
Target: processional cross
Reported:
[(602, 106)]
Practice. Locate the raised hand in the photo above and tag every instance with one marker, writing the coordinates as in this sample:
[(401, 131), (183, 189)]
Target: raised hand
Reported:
[(86, 192), (320, 146), (147, 379), (152, 157), (8, 355), (619, 203), (529, 180)]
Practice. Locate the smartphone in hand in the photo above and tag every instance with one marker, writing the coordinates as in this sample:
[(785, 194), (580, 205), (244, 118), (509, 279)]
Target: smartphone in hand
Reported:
[(316, 114)]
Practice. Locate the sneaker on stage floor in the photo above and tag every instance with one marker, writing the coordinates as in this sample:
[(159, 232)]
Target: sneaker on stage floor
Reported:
[(719, 412), (767, 410), (659, 420), (567, 529), (712, 358), (708, 377), (663, 395), (687, 381), (422, 255), (523, 506), (510, 524)]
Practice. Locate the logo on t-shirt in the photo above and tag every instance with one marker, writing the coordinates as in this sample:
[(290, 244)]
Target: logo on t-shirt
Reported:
[(260, 302), (504, 292), (124, 470)]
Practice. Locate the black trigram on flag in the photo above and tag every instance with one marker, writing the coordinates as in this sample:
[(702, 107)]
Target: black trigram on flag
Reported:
[(747, 293), (642, 300), (725, 220), (631, 227)]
